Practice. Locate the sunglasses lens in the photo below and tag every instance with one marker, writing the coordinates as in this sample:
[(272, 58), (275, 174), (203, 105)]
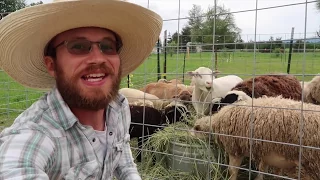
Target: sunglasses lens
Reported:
[(108, 46), (79, 46)]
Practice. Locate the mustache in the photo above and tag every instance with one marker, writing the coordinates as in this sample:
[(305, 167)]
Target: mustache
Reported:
[(101, 66)]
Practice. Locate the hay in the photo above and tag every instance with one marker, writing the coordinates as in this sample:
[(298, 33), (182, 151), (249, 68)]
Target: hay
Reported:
[(154, 163)]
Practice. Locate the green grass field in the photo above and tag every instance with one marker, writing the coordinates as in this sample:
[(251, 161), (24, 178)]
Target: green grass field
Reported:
[(14, 98)]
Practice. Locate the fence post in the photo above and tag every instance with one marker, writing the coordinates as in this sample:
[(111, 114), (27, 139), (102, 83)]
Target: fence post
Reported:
[(128, 80), (290, 51), (158, 59), (184, 66), (165, 55)]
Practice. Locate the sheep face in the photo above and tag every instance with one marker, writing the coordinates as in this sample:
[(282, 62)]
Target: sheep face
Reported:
[(231, 97), (184, 96), (201, 127), (202, 78)]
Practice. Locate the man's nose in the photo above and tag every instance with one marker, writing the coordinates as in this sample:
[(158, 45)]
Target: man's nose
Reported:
[(96, 56)]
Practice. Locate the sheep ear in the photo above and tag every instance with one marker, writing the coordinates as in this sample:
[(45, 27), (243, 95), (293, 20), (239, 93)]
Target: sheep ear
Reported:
[(216, 72), (191, 73)]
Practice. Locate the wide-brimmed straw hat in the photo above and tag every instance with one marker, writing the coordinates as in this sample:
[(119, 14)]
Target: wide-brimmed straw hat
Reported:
[(25, 33)]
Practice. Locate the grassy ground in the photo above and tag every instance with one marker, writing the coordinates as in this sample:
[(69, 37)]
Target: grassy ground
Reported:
[(14, 98)]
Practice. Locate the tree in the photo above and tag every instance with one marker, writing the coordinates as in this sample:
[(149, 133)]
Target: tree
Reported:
[(196, 22), (223, 23), (11, 5), (37, 3), (184, 37), (219, 19)]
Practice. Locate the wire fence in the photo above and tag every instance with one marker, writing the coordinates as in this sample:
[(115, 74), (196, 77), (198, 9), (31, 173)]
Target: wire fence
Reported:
[(172, 151)]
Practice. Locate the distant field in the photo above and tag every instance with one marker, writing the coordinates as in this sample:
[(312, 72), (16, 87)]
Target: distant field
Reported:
[(14, 98)]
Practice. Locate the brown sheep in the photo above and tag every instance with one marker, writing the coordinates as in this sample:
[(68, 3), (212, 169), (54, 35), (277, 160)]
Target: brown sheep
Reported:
[(272, 85), (271, 121), (178, 83), (172, 81), (167, 91), (266, 85)]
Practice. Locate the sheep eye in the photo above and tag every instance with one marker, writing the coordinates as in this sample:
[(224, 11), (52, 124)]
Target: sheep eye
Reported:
[(198, 75)]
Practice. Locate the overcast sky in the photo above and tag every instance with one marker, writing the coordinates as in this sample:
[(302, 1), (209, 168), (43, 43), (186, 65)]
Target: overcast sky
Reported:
[(275, 22)]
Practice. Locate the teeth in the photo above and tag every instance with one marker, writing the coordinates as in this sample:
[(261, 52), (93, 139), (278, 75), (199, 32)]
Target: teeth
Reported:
[(94, 79), (95, 75)]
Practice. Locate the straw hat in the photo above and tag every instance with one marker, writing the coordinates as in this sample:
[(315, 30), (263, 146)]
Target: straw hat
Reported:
[(25, 33)]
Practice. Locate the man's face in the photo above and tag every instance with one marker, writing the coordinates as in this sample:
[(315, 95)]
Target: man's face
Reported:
[(88, 81)]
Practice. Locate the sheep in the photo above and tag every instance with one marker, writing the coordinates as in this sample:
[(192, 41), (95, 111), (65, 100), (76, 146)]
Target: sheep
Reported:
[(178, 83), (207, 88), (269, 85), (153, 120), (137, 97), (172, 81), (311, 91), (167, 91), (273, 119)]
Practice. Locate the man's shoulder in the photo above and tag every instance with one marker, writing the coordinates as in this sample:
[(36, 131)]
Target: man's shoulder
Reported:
[(38, 117)]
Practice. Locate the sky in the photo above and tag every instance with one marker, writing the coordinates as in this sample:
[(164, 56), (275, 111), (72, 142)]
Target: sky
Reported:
[(276, 22)]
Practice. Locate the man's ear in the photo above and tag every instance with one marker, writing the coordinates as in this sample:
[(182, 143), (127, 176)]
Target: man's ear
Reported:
[(50, 65)]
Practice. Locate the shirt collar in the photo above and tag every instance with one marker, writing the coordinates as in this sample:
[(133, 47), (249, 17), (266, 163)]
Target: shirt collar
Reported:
[(64, 115)]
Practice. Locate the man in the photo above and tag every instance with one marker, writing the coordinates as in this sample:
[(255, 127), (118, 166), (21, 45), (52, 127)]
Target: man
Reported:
[(79, 50)]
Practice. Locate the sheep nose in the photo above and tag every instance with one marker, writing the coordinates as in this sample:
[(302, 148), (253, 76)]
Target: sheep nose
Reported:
[(208, 83)]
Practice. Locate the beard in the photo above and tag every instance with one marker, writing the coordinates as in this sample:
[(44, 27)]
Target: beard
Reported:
[(73, 96)]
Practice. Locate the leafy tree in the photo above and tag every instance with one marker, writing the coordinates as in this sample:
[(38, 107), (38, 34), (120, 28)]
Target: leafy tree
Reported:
[(184, 37), (8, 6), (202, 26), (11, 5), (37, 3), (196, 20), (240, 43)]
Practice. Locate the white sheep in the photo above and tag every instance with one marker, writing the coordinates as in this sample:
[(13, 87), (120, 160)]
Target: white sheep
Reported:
[(137, 97), (207, 88), (274, 119)]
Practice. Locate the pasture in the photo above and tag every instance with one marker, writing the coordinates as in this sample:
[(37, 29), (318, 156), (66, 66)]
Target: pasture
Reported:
[(15, 98)]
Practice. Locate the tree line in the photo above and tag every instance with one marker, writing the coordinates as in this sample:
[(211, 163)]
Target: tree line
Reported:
[(202, 24)]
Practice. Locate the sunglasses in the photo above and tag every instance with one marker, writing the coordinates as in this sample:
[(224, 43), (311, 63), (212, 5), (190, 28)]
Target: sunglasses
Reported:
[(84, 46)]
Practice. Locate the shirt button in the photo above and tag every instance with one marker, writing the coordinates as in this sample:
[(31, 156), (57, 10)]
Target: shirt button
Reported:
[(110, 133), (94, 139)]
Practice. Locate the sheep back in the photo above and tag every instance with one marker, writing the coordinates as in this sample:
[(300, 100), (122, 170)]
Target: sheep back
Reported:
[(162, 90), (272, 85), (136, 96), (273, 119)]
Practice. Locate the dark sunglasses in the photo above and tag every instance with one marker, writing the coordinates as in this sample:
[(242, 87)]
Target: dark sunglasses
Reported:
[(84, 46)]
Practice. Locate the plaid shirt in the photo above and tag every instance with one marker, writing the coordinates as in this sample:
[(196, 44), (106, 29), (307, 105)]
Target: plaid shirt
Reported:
[(47, 142)]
